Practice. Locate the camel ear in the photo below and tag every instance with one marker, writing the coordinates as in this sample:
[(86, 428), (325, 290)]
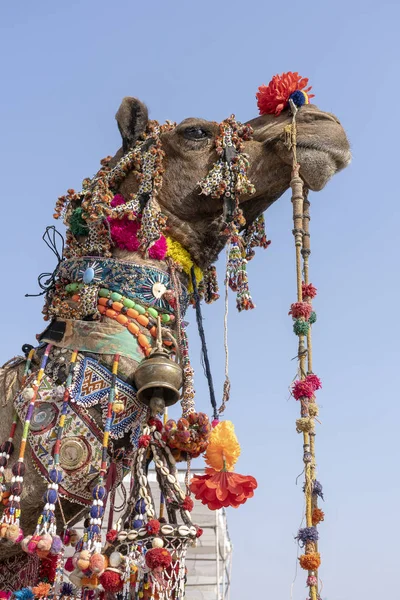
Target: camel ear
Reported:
[(132, 117)]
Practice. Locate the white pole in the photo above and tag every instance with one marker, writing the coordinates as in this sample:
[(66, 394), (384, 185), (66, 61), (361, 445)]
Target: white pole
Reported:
[(217, 544)]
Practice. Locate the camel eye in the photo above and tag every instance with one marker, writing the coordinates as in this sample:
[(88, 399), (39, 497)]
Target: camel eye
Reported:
[(195, 133)]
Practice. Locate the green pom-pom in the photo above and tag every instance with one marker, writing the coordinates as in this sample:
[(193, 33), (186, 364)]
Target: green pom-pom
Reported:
[(77, 224), (301, 327), (313, 318)]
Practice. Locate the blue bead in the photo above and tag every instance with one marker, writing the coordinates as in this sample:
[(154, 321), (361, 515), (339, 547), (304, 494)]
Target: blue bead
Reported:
[(137, 523), (55, 476), (140, 506), (98, 492), (96, 512), (95, 528), (50, 496), (88, 275)]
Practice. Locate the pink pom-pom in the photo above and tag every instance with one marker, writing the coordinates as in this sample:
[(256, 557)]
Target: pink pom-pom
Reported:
[(20, 537), (117, 200), (302, 389), (308, 290), (32, 544), (314, 381), (215, 423), (159, 249), (300, 309)]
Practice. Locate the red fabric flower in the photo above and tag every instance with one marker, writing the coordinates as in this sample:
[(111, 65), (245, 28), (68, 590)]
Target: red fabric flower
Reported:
[(144, 441), (274, 97), (219, 489), (153, 422), (153, 527), (309, 291), (111, 535), (158, 557), (188, 504)]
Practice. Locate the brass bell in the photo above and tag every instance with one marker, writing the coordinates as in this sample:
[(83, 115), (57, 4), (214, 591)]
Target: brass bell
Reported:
[(158, 379)]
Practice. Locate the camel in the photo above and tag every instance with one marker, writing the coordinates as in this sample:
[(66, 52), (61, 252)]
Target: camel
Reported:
[(194, 221)]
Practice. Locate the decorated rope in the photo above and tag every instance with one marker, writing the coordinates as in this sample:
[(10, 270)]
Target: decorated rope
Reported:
[(7, 448), (306, 385), (11, 516), (45, 540)]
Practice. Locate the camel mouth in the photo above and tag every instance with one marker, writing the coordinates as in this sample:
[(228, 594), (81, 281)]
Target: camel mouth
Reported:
[(341, 157)]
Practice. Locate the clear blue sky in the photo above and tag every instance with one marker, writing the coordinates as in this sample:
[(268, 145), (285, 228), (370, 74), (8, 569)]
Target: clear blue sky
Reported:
[(65, 68)]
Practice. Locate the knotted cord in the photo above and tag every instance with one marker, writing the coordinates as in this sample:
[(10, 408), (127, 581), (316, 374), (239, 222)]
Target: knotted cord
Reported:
[(46, 281)]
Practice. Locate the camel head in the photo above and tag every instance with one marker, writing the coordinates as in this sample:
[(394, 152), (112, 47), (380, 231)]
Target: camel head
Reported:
[(194, 219)]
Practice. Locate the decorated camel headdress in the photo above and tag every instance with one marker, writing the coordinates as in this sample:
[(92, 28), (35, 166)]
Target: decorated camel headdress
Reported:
[(144, 556)]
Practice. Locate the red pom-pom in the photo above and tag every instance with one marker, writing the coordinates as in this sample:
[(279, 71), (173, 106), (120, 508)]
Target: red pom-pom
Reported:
[(111, 581), (158, 557), (153, 527), (188, 504), (153, 422), (69, 565), (274, 97), (199, 532), (144, 441), (111, 535)]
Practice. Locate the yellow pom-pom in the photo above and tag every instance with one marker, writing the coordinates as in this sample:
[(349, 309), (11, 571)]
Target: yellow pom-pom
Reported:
[(223, 450), (180, 255)]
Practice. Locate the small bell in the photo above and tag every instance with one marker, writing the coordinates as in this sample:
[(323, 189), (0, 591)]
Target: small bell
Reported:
[(158, 379)]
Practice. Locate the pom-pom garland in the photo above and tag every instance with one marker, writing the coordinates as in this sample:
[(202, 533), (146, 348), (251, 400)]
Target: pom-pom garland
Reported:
[(189, 437)]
